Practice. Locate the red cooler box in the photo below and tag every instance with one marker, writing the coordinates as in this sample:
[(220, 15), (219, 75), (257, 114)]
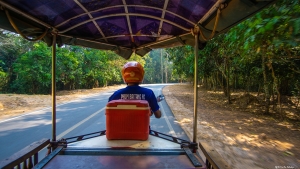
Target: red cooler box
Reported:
[(127, 120)]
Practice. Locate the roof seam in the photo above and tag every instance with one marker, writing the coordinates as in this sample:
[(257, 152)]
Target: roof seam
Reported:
[(128, 20), (163, 17), (118, 6), (125, 14), (90, 15)]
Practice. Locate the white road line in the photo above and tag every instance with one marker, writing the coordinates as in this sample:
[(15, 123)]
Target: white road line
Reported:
[(24, 115), (168, 122), (35, 111), (78, 124), (166, 119), (50, 107)]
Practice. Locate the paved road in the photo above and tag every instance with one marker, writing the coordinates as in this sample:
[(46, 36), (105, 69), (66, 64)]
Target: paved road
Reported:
[(81, 116)]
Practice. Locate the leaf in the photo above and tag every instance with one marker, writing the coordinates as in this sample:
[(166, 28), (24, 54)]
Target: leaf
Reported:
[(289, 153)]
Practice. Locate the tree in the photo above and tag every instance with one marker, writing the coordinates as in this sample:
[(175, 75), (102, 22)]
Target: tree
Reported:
[(11, 47), (271, 30), (157, 67), (3, 79), (182, 59), (33, 71), (261, 51)]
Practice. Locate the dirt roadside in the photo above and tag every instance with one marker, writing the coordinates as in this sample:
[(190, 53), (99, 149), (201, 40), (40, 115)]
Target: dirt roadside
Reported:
[(16, 104), (244, 140)]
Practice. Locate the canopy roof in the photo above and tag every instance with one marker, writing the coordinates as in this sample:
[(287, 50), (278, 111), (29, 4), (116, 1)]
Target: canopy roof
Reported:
[(124, 26)]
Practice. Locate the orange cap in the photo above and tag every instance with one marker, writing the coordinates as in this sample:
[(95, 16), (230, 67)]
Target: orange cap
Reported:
[(133, 72)]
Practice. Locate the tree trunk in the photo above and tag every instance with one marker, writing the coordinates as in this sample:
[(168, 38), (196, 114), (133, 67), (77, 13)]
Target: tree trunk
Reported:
[(273, 96), (258, 91), (220, 81), (266, 85), (205, 83), (224, 87), (248, 83), (228, 84), (213, 80), (235, 82), (276, 83)]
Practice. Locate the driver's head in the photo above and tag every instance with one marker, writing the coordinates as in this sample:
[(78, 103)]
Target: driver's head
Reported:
[(133, 72)]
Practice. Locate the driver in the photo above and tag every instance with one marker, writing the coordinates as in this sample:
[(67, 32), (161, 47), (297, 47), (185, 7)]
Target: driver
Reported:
[(133, 75)]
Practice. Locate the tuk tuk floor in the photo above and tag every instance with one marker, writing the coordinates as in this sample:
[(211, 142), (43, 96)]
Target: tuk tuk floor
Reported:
[(98, 152)]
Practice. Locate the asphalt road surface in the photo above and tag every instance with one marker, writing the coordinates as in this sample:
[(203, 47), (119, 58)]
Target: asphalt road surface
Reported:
[(78, 117)]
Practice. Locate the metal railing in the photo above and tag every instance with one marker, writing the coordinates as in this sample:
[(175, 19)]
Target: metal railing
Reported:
[(26, 158)]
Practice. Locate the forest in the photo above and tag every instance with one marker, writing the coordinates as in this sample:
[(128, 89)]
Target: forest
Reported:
[(26, 67), (261, 54)]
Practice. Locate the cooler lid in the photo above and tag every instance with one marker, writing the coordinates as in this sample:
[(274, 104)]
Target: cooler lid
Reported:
[(132, 103)]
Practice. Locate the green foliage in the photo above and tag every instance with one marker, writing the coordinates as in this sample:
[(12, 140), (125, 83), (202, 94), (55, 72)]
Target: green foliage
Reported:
[(29, 68), (158, 68), (11, 47), (33, 70), (3, 78), (237, 55), (183, 62)]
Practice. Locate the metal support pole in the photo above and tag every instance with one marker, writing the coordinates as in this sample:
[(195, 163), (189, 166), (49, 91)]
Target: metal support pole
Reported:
[(54, 88), (162, 71), (166, 68), (196, 33)]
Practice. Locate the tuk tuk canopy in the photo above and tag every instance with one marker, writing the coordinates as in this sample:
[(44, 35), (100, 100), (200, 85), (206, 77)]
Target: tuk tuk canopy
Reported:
[(124, 26)]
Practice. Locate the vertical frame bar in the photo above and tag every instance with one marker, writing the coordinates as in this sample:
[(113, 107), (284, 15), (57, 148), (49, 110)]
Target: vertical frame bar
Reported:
[(30, 165), (196, 35), (54, 87), (162, 72), (35, 158), (24, 166)]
